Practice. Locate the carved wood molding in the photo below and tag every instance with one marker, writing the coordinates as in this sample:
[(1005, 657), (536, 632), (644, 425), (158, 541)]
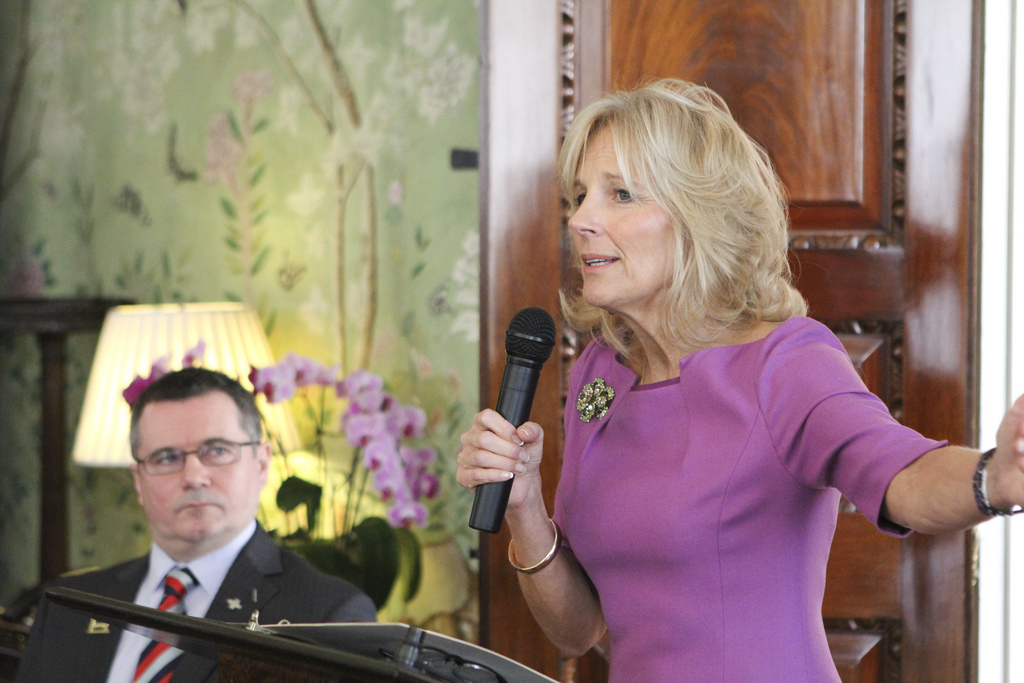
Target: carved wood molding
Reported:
[(899, 121), (892, 234), (892, 333), (568, 62), (890, 630), (570, 344)]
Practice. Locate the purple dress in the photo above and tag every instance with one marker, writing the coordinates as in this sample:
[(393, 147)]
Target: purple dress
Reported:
[(703, 508)]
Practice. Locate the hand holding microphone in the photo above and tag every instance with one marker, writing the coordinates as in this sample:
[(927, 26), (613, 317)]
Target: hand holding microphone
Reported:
[(528, 344)]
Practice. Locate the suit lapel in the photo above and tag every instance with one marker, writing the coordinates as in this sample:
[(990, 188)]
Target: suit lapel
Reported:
[(258, 560), (251, 582)]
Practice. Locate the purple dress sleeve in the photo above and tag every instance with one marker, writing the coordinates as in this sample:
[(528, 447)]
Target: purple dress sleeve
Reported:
[(827, 428)]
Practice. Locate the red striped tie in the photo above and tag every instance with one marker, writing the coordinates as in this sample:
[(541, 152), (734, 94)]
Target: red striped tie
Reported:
[(156, 665)]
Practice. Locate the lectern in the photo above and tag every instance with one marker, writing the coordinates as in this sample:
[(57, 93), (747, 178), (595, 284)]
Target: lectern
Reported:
[(308, 653)]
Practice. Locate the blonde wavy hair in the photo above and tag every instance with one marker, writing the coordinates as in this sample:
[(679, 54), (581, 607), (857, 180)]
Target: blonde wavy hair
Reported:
[(677, 143)]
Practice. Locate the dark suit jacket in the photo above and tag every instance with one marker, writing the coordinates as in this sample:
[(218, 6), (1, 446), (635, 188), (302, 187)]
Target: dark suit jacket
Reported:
[(287, 587)]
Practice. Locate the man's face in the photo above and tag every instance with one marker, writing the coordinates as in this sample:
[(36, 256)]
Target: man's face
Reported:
[(200, 508)]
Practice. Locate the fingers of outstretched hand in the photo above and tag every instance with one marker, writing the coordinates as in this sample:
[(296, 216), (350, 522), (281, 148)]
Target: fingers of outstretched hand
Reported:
[(1011, 431), (1006, 471), (1017, 436)]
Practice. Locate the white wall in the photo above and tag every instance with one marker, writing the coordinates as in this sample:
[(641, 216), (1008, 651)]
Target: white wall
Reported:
[(1002, 333)]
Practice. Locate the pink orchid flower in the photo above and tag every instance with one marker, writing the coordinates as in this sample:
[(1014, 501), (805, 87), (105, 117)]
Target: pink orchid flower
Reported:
[(379, 454), (194, 356), (406, 421), (406, 513), (364, 390), (362, 428), (390, 483), (139, 384), (309, 372), (274, 382)]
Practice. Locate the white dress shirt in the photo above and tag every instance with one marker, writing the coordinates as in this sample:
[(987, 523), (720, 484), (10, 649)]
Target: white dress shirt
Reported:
[(209, 571)]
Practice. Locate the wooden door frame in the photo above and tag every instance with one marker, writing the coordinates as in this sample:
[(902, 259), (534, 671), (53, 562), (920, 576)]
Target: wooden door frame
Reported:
[(944, 45), (520, 233)]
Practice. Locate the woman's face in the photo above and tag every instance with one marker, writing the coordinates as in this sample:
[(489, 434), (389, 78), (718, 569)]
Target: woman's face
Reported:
[(625, 241)]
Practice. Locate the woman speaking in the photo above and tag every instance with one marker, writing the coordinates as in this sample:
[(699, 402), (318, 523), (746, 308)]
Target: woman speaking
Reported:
[(711, 428)]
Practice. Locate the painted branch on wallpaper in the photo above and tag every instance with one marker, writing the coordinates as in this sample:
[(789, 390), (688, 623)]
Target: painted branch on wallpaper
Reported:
[(363, 167), (26, 49), (232, 159), (355, 171)]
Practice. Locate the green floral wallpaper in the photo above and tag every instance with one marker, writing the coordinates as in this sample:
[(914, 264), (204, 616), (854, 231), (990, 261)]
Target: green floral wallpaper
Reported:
[(295, 156)]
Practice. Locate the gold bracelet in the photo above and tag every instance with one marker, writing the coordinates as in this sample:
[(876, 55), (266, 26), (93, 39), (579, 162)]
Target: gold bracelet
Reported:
[(547, 558)]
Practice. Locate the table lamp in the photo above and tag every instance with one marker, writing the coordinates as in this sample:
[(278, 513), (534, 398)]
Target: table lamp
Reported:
[(134, 337)]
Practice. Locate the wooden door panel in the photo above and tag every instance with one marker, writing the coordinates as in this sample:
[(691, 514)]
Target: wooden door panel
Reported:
[(806, 78), (850, 284), (869, 354), (863, 578)]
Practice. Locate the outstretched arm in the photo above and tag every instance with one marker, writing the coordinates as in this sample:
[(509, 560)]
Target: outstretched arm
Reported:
[(935, 493)]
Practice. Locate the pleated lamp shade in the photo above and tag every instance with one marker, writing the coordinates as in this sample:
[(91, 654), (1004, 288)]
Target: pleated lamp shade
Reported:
[(135, 337)]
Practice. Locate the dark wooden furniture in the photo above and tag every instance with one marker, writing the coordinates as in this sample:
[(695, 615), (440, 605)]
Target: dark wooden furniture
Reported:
[(870, 112), (52, 320)]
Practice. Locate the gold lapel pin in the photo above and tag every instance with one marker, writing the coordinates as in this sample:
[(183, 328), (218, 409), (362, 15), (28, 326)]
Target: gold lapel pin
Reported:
[(97, 627)]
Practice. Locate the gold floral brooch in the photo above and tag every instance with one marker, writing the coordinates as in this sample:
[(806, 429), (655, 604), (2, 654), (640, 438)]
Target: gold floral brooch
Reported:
[(594, 400)]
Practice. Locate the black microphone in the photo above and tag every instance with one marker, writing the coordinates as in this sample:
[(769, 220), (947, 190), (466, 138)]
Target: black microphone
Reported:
[(528, 343)]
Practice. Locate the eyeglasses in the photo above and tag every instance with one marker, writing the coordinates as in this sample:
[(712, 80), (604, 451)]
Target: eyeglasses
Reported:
[(212, 453), (449, 667)]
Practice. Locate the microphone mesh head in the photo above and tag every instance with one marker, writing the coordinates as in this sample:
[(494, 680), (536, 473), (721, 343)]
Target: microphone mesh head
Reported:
[(531, 334)]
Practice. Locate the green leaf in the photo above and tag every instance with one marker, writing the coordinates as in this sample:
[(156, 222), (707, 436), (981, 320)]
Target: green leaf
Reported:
[(422, 242), (259, 217), (257, 174), (418, 268), (229, 208), (260, 125), (410, 568), (377, 545), (233, 243), (236, 132), (295, 491), (259, 261), (455, 414), (233, 296)]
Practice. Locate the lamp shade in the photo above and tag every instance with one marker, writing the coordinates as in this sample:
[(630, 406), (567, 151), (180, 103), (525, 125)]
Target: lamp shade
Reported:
[(135, 337)]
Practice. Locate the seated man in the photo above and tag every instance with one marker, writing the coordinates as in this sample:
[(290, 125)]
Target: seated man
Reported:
[(201, 512)]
